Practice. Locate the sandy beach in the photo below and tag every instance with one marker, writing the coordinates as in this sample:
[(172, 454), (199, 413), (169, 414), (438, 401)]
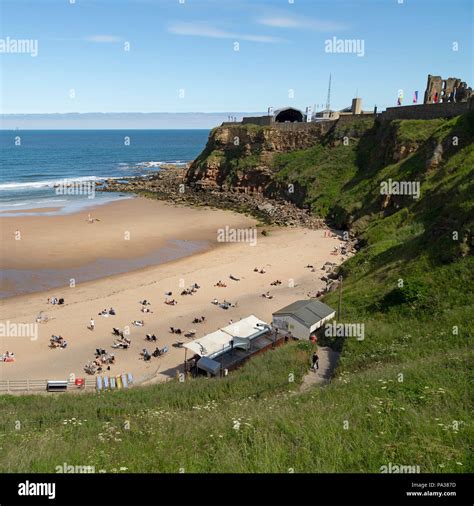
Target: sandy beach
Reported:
[(68, 241)]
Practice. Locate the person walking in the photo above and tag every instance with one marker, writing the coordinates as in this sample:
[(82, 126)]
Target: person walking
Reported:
[(315, 361), (92, 324)]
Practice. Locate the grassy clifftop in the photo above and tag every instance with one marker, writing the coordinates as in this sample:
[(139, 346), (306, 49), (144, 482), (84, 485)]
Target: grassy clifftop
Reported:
[(400, 396)]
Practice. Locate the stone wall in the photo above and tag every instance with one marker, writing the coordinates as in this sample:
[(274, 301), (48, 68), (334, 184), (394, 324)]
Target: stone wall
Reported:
[(427, 111), (258, 120)]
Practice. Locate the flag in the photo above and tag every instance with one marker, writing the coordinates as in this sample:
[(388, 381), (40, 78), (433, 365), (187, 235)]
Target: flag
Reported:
[(400, 97), (415, 97)]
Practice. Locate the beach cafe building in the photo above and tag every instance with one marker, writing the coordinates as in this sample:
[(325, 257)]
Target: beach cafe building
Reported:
[(228, 346), (302, 318)]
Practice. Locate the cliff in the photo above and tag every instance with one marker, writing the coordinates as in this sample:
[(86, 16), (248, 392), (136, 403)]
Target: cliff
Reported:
[(335, 170), (241, 156)]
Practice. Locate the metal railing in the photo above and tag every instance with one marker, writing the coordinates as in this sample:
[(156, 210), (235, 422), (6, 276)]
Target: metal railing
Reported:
[(39, 385)]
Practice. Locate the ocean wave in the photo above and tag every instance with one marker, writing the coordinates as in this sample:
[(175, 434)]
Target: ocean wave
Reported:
[(49, 200), (160, 163), (48, 183), (13, 205)]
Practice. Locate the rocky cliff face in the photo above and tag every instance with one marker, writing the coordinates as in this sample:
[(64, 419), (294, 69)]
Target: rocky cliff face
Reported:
[(324, 163), (241, 156)]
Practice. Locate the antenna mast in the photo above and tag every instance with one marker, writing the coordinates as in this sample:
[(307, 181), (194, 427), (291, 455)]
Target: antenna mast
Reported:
[(328, 102)]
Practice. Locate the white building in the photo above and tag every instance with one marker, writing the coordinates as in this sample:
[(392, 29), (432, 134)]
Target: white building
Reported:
[(303, 317), (238, 335)]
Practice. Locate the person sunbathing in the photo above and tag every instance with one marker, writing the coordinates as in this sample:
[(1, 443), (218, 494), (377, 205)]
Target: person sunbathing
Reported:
[(171, 302), (234, 278), (267, 295), (146, 310), (220, 284), (145, 302), (121, 345), (112, 311), (138, 323), (215, 302)]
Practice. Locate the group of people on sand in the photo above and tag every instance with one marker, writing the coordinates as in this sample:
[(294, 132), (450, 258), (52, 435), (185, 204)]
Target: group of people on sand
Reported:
[(102, 358), (260, 271), (191, 290), (157, 353), (55, 300), (224, 304), (108, 312), (123, 342), (145, 309), (57, 342), (8, 356)]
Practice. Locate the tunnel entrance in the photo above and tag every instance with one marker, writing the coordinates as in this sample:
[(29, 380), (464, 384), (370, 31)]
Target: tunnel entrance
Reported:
[(290, 115)]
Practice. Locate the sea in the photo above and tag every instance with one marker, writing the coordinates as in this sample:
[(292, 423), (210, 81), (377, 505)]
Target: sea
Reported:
[(36, 165)]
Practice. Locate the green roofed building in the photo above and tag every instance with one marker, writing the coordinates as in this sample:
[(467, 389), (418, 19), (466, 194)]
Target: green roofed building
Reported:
[(303, 317)]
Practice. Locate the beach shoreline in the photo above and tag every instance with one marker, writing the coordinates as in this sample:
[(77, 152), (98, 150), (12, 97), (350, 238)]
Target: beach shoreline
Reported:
[(109, 239), (283, 253)]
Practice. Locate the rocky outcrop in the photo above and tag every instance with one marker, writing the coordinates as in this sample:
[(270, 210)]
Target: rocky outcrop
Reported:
[(240, 156), (170, 184)]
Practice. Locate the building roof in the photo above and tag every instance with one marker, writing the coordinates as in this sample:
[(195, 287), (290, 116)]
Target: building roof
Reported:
[(287, 108), (308, 312), (218, 342)]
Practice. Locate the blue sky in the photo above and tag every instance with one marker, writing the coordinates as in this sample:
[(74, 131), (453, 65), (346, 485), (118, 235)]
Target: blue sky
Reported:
[(190, 47)]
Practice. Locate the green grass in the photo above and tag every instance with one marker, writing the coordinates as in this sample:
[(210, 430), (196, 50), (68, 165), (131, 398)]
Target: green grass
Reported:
[(402, 395)]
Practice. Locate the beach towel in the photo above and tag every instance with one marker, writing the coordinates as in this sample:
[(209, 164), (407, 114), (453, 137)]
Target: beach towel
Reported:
[(130, 378), (99, 382), (118, 380), (112, 383), (106, 382)]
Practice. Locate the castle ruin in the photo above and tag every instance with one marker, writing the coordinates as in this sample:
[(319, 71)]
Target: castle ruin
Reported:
[(439, 90)]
